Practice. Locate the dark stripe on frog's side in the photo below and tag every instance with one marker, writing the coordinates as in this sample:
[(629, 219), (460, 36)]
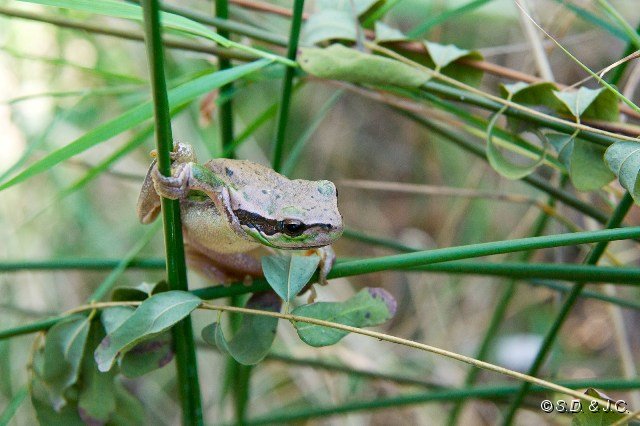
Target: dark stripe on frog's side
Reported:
[(253, 220), (268, 226)]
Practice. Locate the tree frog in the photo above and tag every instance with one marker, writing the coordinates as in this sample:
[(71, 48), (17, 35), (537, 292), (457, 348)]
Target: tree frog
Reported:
[(231, 207)]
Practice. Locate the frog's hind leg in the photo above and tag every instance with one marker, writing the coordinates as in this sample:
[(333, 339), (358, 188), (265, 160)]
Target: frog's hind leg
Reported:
[(222, 268), (148, 200)]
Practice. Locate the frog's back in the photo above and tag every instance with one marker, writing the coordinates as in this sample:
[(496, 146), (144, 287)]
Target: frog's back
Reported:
[(244, 173)]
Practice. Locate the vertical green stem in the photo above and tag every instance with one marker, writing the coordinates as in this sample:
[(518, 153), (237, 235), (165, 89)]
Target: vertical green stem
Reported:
[(283, 113), (13, 405), (593, 257), (186, 362), (226, 108)]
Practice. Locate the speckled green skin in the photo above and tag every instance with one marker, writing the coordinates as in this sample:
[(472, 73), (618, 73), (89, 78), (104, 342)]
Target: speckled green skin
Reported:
[(212, 194)]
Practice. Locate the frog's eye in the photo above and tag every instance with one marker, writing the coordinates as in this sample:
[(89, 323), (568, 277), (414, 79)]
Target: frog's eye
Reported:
[(292, 227)]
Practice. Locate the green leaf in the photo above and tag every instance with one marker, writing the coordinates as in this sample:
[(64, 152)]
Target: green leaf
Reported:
[(503, 166), (64, 346), (449, 57), (583, 160), (96, 401), (287, 275), (623, 158), (598, 104), (338, 62), (178, 96), (46, 415), (329, 25), (369, 307), (539, 96), (533, 95), (138, 293), (148, 355), (587, 417), (129, 410), (153, 316), (254, 338), (387, 34), (442, 55), (446, 58), (113, 317)]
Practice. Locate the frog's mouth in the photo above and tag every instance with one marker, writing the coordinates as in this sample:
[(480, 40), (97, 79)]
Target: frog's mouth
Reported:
[(273, 233)]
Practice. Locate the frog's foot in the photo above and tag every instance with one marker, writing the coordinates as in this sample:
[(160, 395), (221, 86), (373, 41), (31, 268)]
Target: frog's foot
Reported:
[(327, 259), (182, 153), (175, 186)]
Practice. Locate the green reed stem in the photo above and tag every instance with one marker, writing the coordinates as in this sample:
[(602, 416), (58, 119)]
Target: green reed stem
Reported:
[(13, 405), (186, 362), (420, 258), (283, 113), (491, 392), (225, 109)]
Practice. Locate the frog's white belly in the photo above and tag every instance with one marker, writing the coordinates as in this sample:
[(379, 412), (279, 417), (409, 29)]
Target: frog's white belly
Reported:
[(206, 227)]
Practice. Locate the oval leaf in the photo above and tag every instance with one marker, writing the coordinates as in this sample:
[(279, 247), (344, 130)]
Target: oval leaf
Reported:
[(254, 338), (586, 417), (338, 62), (623, 158), (287, 275), (148, 355), (583, 160), (96, 400), (138, 293), (329, 25), (536, 94), (62, 354), (444, 54), (113, 317), (369, 307), (129, 410), (599, 104), (153, 316), (387, 34)]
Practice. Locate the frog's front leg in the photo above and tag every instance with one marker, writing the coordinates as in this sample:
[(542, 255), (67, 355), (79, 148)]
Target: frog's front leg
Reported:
[(187, 177), (149, 201)]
